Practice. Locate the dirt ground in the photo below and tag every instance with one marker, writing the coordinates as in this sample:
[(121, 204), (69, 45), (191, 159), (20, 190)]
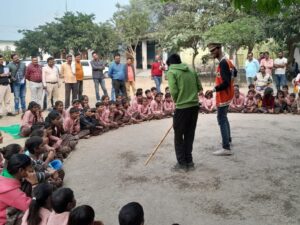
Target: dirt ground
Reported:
[(258, 185)]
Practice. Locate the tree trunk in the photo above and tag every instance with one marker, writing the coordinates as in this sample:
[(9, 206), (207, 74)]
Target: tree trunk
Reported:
[(291, 48), (194, 58)]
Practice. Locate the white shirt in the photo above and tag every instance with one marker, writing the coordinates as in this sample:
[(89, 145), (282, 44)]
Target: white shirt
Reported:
[(49, 75), (282, 61)]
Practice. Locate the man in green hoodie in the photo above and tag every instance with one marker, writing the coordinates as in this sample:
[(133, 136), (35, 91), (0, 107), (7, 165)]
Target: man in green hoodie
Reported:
[(184, 86)]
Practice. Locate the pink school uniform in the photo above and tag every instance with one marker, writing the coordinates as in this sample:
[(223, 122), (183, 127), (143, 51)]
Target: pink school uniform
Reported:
[(144, 110), (156, 108), (44, 215), (249, 103), (209, 104), (71, 127), (58, 218), (237, 102), (169, 106)]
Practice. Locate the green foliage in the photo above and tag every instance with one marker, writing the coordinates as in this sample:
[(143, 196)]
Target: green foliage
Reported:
[(132, 24), (6, 54), (243, 32)]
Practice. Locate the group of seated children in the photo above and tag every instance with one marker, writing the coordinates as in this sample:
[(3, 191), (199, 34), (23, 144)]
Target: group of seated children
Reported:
[(255, 102)]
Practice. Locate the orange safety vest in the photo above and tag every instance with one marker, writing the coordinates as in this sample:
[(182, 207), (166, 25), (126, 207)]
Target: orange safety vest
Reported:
[(224, 97)]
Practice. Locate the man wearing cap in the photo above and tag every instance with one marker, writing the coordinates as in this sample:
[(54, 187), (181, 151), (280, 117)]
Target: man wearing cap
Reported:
[(224, 94)]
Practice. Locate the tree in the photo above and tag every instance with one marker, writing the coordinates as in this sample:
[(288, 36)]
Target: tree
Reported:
[(132, 24), (243, 32)]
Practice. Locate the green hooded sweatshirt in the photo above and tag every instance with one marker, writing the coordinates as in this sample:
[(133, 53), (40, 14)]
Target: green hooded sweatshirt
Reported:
[(184, 86)]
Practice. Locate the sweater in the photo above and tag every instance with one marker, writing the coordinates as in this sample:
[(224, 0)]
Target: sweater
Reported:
[(184, 86)]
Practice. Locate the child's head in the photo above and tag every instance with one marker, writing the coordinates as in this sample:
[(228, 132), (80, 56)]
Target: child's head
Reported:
[(292, 97), (63, 200), (76, 103), (148, 93), (99, 107), (158, 97), (33, 107), (268, 92), (236, 93), (9, 150), (35, 145), (145, 101), (37, 133), (251, 94), (167, 90), (84, 100), (200, 93), (236, 87), (139, 96), (59, 106), (53, 118), (208, 94), (258, 96), (168, 97), (119, 105), (251, 87), (105, 100), (139, 90), (280, 94), (19, 165), (87, 112), (74, 113), (154, 91), (125, 103), (119, 98), (112, 106), (41, 197), (83, 214), (131, 214), (285, 88)]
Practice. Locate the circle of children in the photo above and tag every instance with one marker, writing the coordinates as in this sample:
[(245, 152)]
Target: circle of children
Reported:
[(31, 189)]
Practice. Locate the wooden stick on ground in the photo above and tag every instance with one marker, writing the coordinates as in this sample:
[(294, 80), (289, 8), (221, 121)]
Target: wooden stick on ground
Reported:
[(155, 150)]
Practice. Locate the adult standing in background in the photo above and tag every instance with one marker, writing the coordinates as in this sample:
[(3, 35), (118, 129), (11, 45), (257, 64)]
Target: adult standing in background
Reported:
[(268, 63), (157, 69), (184, 86), (79, 74), (224, 94), (251, 67), (4, 90), (34, 76), (68, 73), (117, 74), (17, 70), (50, 77), (130, 77), (280, 65), (98, 77)]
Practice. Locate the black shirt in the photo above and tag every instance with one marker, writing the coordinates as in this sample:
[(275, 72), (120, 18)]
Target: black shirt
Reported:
[(3, 80)]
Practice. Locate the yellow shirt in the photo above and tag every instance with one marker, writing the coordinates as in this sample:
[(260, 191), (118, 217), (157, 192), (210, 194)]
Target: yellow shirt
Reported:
[(79, 71), (67, 74)]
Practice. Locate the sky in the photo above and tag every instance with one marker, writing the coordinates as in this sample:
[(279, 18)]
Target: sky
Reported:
[(21, 14)]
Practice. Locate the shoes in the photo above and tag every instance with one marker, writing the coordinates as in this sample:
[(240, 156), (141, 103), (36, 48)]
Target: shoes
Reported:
[(191, 166), (223, 152), (10, 114), (179, 168)]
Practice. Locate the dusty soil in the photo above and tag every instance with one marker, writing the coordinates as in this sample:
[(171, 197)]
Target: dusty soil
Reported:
[(260, 184)]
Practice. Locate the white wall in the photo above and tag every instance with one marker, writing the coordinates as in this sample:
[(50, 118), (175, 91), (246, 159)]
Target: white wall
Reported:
[(7, 45), (297, 55)]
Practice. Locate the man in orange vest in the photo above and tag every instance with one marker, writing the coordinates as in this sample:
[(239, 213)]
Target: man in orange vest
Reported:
[(224, 94), (79, 74)]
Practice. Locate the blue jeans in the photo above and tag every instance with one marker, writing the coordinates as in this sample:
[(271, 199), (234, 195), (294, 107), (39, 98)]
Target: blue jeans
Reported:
[(280, 80), (157, 81), (19, 93), (224, 126), (113, 94), (102, 83)]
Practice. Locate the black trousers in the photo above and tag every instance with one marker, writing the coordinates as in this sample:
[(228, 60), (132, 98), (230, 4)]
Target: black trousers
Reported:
[(70, 87), (80, 88), (119, 86), (184, 124)]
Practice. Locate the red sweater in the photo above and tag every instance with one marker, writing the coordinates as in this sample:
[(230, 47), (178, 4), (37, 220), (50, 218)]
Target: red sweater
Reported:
[(268, 103), (155, 70)]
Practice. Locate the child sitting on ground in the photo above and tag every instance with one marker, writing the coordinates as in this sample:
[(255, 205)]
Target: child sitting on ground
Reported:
[(237, 103), (88, 122), (169, 106), (84, 101), (153, 92), (75, 104), (149, 96), (145, 110), (252, 87), (63, 201), (131, 213), (72, 125), (134, 115), (209, 104), (41, 132), (237, 87), (105, 100), (250, 103), (292, 103), (113, 113), (7, 152), (157, 107), (280, 103), (167, 90), (285, 89), (102, 115), (40, 206), (201, 99), (83, 215), (59, 107), (138, 101), (30, 117), (268, 102)]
